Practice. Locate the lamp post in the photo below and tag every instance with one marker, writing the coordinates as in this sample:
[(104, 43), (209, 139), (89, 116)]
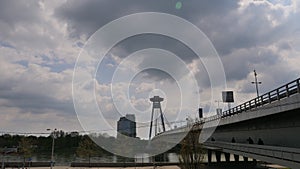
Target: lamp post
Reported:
[(52, 150), (3, 155), (256, 82)]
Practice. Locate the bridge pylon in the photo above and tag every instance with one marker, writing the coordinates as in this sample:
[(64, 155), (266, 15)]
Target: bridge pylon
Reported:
[(156, 106)]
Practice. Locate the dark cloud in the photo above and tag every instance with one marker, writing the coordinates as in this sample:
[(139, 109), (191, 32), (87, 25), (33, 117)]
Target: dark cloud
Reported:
[(224, 24), (139, 42), (240, 62), (35, 103), (85, 17), (229, 28), (244, 29), (12, 12)]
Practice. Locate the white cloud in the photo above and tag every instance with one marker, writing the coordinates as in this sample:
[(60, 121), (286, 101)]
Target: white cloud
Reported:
[(144, 87)]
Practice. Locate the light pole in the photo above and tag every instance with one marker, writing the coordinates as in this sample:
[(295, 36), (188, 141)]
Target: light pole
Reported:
[(3, 155), (52, 150), (256, 82)]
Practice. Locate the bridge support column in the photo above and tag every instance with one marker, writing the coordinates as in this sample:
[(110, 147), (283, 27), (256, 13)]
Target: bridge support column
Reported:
[(209, 154), (227, 157), (218, 156), (245, 158), (236, 157)]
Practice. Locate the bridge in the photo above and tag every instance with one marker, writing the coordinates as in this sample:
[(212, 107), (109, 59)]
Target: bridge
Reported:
[(266, 128)]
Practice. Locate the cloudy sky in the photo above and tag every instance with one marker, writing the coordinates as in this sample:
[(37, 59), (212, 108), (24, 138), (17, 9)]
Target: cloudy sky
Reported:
[(40, 42)]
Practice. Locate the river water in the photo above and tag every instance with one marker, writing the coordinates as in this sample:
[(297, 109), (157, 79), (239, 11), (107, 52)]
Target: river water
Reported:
[(66, 160)]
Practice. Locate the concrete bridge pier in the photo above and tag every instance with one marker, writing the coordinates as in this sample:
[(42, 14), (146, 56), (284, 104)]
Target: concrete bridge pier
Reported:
[(236, 157), (218, 156), (209, 155), (227, 156)]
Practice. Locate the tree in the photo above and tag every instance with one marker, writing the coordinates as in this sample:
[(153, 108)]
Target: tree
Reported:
[(25, 148), (87, 148), (191, 153)]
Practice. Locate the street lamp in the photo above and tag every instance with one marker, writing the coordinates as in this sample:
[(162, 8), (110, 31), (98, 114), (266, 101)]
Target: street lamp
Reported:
[(3, 155), (52, 150), (256, 82)]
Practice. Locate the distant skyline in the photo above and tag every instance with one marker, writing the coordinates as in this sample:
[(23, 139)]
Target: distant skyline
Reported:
[(40, 41)]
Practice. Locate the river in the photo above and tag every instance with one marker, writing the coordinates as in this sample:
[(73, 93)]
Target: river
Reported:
[(65, 160)]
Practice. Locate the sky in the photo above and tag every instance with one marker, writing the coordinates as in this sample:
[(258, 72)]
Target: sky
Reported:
[(41, 41)]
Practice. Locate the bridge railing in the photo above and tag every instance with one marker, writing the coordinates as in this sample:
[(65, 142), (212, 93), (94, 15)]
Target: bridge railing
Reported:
[(281, 92)]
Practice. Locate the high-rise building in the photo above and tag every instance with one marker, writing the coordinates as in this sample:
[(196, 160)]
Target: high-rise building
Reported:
[(127, 125)]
